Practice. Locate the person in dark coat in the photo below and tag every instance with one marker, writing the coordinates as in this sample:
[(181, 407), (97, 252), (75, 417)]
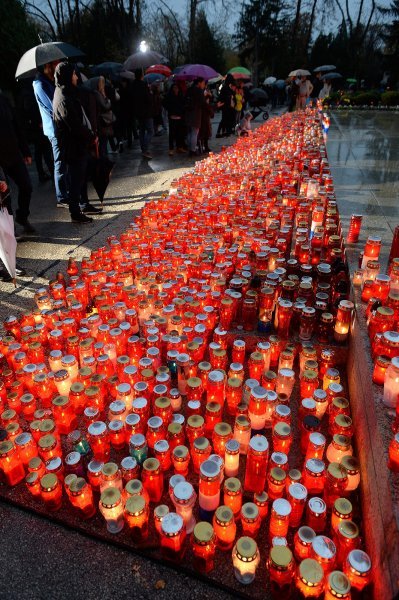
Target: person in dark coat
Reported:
[(74, 135), (317, 83), (14, 156), (205, 132), (143, 111), (174, 104), (226, 102), (31, 120), (194, 105)]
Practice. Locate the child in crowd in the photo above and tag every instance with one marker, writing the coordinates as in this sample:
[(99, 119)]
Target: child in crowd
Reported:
[(244, 126)]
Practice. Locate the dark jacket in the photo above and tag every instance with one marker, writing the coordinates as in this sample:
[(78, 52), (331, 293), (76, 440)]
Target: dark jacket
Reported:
[(205, 131), (13, 145), (72, 131), (142, 99), (174, 104), (195, 101)]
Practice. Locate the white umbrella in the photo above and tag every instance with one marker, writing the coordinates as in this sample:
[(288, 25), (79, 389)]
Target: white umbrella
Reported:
[(142, 60), (269, 80), (8, 243), (299, 73)]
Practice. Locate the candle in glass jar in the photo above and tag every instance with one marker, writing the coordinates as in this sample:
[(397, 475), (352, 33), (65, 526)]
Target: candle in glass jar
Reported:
[(99, 441), (281, 568), (209, 487), (256, 466), (309, 581), (337, 586), (11, 465), (231, 457), (173, 535), (136, 515), (152, 478), (51, 491), (303, 542), (181, 460), (316, 514), (204, 546), (250, 519), (184, 498), (224, 527), (357, 568), (279, 518), (246, 559), (111, 508), (324, 551), (232, 495), (297, 495)]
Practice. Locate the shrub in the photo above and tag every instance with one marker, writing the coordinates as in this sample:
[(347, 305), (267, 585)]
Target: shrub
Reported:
[(366, 98), (390, 98)]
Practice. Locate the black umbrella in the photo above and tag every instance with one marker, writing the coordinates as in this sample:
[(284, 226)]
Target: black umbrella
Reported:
[(258, 94), (99, 172), (107, 68), (43, 54)]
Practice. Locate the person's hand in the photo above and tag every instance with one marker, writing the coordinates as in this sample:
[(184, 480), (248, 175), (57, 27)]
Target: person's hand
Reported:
[(28, 160), (3, 186)]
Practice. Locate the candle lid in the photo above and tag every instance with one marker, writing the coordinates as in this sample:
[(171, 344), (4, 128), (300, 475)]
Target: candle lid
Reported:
[(317, 438), (298, 491), (77, 387), (279, 458), (336, 470), (351, 464), (224, 516), (280, 556), (203, 533), (110, 497), (27, 398), (201, 443), (258, 443), (282, 429), (233, 485), (172, 524), (261, 499), (282, 507), (343, 507), (60, 375), (213, 407), (109, 470), (47, 441), (77, 485), (311, 572), (260, 393), (195, 421), (35, 463), (232, 446), (178, 418), (183, 492), (209, 470), (234, 382), (392, 337), (48, 482), (182, 359), (251, 383), (216, 376), (204, 366), (135, 505), (72, 458), (250, 512), (222, 429), (23, 438), (132, 419), (306, 534), (160, 511), (286, 373), (155, 423), (115, 425), (339, 583), (6, 447), (348, 529), (310, 421), (151, 464), (31, 478), (324, 547), (140, 403), (359, 561), (97, 428), (134, 487), (317, 505), (181, 452), (162, 402), (246, 549)]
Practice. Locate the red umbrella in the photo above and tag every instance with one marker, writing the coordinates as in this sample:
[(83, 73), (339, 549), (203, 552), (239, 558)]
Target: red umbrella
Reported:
[(160, 69)]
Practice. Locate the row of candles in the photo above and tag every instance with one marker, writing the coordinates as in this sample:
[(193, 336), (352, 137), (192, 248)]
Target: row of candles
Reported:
[(380, 293), (130, 351)]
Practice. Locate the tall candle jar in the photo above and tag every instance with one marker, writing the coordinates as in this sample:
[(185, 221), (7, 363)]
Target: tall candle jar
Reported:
[(242, 432), (281, 567), (391, 384), (204, 546), (152, 478), (232, 495), (209, 487), (324, 551), (303, 542), (279, 518), (136, 515), (246, 559), (316, 514), (173, 535), (224, 527), (51, 491), (357, 568), (250, 519), (111, 508), (256, 467), (309, 581), (184, 498), (81, 497)]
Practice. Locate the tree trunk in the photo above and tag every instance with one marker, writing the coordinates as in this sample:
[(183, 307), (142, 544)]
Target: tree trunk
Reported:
[(309, 35)]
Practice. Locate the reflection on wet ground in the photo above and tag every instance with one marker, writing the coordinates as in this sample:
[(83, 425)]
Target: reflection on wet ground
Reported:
[(363, 150)]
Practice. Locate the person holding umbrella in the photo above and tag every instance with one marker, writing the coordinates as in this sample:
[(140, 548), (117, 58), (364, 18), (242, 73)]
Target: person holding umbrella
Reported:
[(195, 104), (143, 110), (74, 135), (44, 88)]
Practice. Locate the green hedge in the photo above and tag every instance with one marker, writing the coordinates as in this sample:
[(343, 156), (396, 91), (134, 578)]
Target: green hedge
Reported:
[(390, 98)]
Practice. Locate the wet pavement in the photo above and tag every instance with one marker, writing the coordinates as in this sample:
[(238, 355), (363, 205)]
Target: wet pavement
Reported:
[(41, 559)]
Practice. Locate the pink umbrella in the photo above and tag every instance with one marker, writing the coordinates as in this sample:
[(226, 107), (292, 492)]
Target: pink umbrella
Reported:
[(160, 70), (190, 72)]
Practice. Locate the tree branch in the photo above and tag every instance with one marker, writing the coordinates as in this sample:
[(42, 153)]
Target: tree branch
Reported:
[(40, 15)]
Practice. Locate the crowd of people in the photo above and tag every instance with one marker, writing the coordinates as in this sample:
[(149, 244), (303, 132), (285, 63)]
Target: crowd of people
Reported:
[(70, 121), (301, 90)]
